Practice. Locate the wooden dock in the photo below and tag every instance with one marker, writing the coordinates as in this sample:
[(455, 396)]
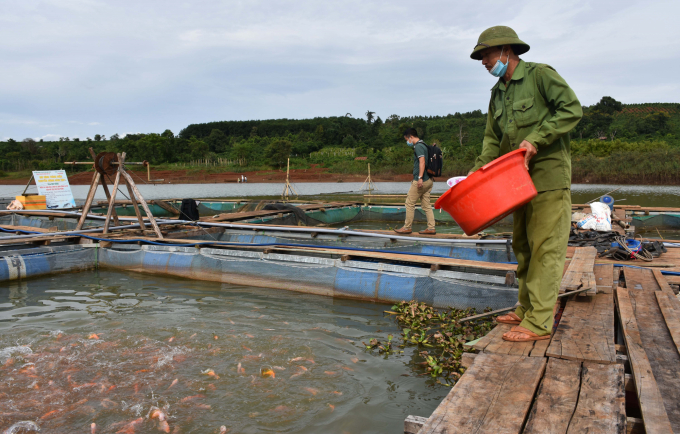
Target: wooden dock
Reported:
[(612, 365)]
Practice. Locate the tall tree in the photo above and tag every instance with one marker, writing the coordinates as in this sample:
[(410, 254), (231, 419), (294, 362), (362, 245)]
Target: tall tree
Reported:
[(369, 116)]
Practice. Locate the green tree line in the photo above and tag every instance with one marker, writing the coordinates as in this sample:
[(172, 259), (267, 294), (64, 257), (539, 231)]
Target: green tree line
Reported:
[(608, 128)]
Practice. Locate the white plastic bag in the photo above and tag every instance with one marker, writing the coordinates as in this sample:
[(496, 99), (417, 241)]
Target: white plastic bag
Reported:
[(455, 180), (600, 219)]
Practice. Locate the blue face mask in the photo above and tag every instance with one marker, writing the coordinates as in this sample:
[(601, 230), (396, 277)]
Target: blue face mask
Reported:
[(408, 142), (500, 68)]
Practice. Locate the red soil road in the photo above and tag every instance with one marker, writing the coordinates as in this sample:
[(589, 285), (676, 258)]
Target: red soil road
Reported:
[(315, 174)]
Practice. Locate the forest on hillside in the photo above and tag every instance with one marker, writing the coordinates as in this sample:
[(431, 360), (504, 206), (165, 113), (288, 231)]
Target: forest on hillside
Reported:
[(613, 142)]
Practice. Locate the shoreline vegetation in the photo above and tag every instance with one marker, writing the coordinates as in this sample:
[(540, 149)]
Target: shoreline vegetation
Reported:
[(614, 143)]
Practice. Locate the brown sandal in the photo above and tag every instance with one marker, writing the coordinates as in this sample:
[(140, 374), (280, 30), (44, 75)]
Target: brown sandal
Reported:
[(510, 318), (531, 336)]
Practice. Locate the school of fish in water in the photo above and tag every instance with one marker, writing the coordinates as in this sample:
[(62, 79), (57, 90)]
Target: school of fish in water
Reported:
[(112, 382)]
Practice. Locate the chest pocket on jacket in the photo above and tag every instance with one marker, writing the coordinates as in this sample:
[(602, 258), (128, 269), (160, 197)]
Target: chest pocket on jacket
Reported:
[(524, 112)]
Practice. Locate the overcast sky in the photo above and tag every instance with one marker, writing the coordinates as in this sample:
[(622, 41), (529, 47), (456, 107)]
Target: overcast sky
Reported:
[(78, 68)]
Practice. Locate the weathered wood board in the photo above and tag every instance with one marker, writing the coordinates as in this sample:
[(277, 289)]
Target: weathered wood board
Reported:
[(640, 278), (556, 398), (581, 263), (604, 278), (635, 311), (601, 407), (493, 343), (586, 331), (493, 396)]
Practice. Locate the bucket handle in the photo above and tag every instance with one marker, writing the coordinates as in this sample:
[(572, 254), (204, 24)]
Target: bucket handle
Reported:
[(492, 163)]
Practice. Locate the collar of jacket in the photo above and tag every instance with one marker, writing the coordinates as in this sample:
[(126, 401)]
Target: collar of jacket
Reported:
[(516, 75)]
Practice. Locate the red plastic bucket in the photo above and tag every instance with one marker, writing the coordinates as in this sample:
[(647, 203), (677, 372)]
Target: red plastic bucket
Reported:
[(489, 194)]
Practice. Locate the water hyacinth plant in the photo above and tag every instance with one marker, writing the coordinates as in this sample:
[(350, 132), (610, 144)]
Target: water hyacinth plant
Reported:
[(438, 335)]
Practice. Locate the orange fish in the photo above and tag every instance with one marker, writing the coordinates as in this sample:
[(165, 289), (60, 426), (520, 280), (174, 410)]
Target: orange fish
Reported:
[(107, 403), (268, 373), (248, 335), (223, 430), (192, 336), (336, 392), (311, 390), (232, 322), (246, 348), (203, 406), (211, 373), (93, 336), (141, 370), (173, 383), (347, 368), (329, 372), (189, 398), (93, 428), (46, 415), (215, 337), (302, 371), (354, 359), (130, 428), (171, 339), (332, 407), (240, 370), (279, 368)]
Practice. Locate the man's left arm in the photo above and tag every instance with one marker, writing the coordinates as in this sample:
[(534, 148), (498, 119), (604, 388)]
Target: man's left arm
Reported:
[(562, 99), (421, 171)]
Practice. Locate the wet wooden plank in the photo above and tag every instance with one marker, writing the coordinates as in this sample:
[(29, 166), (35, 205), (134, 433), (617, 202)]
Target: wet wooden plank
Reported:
[(493, 396), (493, 343), (671, 315), (582, 262), (586, 331), (601, 401), (556, 398), (604, 278), (640, 278), (652, 404)]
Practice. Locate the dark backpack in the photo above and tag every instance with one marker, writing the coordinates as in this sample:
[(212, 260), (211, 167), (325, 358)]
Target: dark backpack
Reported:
[(434, 161), (188, 210)]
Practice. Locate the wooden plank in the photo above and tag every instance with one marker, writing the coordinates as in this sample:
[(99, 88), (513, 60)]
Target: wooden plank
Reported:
[(540, 348), (588, 281), (604, 278), (556, 398), (412, 424), (489, 337), (671, 315), (601, 402), (586, 331), (583, 261), (493, 343), (663, 284), (640, 278), (493, 396), (651, 402)]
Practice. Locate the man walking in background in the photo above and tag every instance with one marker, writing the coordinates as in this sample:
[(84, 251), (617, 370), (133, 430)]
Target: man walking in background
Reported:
[(531, 108), (421, 185)]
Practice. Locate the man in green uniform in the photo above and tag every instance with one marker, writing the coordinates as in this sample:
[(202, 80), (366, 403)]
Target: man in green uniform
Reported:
[(531, 108)]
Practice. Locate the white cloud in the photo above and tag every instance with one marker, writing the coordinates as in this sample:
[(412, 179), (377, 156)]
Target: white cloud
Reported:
[(147, 66)]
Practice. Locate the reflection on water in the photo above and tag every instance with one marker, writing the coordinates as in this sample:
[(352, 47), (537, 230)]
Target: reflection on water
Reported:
[(124, 353)]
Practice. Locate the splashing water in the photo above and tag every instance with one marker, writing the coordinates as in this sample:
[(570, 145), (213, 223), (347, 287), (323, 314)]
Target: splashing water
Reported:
[(152, 354)]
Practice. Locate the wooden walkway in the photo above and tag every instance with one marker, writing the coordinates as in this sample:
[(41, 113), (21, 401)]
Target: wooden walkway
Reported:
[(583, 379)]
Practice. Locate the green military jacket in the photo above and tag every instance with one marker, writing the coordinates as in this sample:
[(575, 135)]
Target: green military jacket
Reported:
[(538, 106)]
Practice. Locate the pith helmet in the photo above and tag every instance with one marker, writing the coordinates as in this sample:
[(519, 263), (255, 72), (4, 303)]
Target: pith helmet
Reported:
[(497, 36)]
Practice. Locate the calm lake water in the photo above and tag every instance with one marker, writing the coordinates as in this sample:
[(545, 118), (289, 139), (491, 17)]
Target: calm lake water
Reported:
[(107, 347), (643, 195)]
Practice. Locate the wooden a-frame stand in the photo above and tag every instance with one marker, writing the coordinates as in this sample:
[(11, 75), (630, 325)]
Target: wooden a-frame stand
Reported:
[(111, 197), (288, 189)]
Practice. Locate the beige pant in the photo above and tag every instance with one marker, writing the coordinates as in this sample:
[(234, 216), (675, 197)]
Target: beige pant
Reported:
[(423, 193)]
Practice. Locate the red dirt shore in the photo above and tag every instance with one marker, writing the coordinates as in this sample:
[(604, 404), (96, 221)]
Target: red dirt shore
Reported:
[(315, 174)]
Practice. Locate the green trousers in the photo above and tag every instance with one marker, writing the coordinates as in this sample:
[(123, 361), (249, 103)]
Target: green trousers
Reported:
[(540, 236)]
